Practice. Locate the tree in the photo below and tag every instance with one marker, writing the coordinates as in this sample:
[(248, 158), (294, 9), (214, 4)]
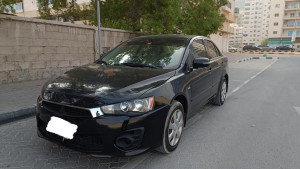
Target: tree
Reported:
[(72, 11), (7, 6), (59, 9), (200, 17), (44, 9), (119, 14), (264, 42), (161, 16)]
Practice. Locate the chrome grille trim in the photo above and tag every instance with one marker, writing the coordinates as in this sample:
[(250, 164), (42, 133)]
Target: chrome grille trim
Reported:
[(95, 112)]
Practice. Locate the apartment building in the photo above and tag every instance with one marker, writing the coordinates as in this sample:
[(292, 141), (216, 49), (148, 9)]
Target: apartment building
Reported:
[(240, 5), (285, 23), (236, 39), (253, 20), (221, 38)]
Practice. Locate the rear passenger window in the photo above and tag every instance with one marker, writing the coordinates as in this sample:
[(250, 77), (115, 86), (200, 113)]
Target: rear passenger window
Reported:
[(211, 50), (197, 49)]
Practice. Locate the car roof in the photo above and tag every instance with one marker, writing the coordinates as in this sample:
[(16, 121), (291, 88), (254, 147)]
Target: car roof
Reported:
[(172, 36)]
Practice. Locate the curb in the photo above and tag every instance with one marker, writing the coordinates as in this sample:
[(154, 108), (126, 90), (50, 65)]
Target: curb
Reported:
[(243, 60), (267, 57), (17, 115)]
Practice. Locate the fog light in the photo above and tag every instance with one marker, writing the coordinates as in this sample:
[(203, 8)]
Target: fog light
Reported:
[(130, 139)]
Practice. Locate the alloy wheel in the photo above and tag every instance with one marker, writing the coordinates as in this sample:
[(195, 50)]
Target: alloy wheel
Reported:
[(223, 91), (175, 127)]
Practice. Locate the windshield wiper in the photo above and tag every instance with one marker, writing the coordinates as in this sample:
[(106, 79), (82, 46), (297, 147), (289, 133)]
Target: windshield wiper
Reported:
[(140, 65)]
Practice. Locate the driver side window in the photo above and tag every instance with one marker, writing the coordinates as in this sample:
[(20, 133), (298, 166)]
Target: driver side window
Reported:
[(196, 50)]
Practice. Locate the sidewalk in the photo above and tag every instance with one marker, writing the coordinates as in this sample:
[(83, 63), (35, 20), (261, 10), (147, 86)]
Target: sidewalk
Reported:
[(18, 100)]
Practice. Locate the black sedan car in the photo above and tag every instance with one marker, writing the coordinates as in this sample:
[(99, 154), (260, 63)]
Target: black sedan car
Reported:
[(284, 48), (249, 47), (136, 98)]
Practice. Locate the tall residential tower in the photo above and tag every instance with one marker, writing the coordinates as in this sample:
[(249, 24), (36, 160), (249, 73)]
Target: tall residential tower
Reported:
[(253, 18), (285, 23)]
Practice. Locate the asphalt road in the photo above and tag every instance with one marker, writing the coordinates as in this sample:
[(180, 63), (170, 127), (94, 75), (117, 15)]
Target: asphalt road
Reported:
[(258, 127)]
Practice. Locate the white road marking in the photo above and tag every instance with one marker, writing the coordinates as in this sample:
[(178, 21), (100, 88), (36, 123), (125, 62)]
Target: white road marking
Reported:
[(247, 81), (297, 109)]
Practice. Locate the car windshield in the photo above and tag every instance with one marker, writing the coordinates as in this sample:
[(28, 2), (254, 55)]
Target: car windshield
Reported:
[(164, 53)]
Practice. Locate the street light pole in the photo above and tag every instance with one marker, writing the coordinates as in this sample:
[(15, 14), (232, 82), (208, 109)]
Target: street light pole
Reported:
[(99, 28)]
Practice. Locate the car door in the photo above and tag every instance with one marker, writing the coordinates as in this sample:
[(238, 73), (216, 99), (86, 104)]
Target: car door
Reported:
[(217, 64), (200, 79)]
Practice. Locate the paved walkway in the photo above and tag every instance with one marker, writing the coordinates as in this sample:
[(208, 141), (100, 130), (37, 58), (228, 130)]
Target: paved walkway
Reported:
[(18, 96)]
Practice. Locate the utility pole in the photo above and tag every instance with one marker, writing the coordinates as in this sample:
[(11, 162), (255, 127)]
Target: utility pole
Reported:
[(99, 28)]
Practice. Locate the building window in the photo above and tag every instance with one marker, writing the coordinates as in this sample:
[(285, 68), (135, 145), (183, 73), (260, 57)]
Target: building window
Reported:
[(277, 15), (275, 23), (298, 33), (292, 15), (298, 23), (293, 5), (229, 5), (290, 33), (291, 24), (277, 6), (275, 32)]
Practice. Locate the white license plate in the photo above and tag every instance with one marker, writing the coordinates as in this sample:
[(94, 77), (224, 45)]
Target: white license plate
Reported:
[(61, 127)]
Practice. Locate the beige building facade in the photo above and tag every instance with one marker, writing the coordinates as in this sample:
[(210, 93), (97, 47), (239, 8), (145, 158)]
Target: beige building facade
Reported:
[(284, 23), (221, 38)]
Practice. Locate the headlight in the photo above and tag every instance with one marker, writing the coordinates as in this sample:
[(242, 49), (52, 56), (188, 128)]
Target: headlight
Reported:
[(134, 107)]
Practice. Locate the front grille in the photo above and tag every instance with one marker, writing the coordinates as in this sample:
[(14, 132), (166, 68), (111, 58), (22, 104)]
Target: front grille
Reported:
[(80, 141), (62, 110)]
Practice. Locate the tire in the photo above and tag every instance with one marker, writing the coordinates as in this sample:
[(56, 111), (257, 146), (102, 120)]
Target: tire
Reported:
[(169, 145), (220, 97)]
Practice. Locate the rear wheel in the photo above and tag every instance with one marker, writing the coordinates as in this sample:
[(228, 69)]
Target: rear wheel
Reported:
[(173, 128), (221, 94)]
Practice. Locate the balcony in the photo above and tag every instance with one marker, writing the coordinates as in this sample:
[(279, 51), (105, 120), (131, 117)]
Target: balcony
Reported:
[(231, 18), (287, 26), (225, 9), (288, 17), (289, 7), (227, 28)]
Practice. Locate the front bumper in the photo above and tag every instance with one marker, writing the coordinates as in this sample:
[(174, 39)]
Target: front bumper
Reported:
[(102, 135)]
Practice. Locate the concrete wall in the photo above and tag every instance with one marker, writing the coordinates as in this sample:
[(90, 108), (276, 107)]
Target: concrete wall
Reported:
[(33, 49)]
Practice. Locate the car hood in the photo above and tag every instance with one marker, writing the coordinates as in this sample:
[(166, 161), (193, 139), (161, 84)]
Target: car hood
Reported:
[(95, 84)]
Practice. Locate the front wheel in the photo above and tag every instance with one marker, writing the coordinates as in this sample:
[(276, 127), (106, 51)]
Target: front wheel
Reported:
[(173, 128), (221, 94)]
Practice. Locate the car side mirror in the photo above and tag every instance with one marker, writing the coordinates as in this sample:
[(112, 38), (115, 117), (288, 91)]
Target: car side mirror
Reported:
[(200, 62)]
